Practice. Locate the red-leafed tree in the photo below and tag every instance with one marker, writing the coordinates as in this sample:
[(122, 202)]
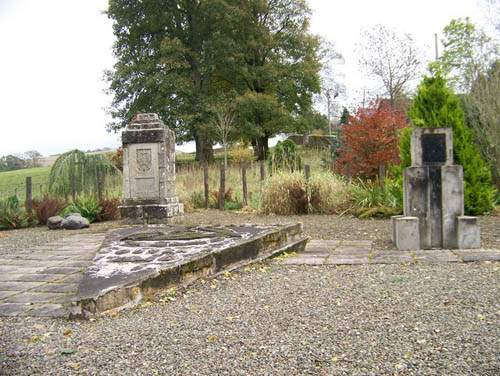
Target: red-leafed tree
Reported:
[(371, 139)]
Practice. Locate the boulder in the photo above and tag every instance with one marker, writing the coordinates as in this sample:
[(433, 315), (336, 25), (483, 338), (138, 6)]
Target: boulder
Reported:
[(54, 223), (74, 221)]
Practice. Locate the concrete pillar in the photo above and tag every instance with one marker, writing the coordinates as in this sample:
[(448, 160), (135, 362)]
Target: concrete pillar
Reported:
[(468, 232)]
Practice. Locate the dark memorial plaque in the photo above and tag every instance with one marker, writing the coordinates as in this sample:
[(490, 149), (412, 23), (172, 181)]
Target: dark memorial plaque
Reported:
[(433, 149)]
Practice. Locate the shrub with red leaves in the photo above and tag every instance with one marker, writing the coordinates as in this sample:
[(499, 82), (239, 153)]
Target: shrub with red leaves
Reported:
[(48, 207), (371, 139), (110, 210)]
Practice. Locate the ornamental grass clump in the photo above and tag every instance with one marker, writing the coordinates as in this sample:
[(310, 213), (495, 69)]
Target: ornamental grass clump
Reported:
[(328, 194), (288, 193)]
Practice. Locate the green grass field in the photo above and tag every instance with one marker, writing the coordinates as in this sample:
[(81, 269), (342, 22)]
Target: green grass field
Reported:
[(15, 181)]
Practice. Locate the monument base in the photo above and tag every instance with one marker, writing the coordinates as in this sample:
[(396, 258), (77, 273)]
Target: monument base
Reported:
[(153, 213)]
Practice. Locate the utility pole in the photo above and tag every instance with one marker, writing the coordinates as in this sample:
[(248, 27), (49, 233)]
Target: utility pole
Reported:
[(436, 45), (328, 104)]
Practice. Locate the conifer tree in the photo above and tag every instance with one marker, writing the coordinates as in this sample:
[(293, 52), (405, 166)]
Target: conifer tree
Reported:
[(436, 106)]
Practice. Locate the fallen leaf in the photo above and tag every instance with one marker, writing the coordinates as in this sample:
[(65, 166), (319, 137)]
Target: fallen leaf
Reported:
[(73, 365), (335, 359), (35, 339), (38, 326), (67, 332), (212, 338), (67, 351)]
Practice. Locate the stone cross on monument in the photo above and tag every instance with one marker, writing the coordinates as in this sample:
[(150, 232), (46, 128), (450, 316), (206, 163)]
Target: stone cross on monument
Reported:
[(149, 172), (434, 197)]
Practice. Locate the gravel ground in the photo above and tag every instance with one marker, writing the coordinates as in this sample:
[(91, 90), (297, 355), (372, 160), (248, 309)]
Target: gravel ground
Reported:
[(268, 319)]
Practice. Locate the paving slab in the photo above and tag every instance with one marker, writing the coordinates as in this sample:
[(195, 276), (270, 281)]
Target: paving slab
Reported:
[(433, 256), (57, 287), (15, 309), (303, 260), (18, 286), (346, 260), (35, 277), (469, 255), (35, 297), (5, 294), (391, 257)]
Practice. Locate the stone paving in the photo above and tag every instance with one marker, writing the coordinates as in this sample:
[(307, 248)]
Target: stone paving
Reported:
[(43, 281), (352, 252)]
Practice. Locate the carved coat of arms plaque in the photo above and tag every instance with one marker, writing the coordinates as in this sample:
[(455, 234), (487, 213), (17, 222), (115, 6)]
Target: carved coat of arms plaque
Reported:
[(143, 160)]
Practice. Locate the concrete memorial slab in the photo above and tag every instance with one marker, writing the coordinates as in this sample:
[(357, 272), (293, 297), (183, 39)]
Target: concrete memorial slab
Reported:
[(136, 262), (434, 197)]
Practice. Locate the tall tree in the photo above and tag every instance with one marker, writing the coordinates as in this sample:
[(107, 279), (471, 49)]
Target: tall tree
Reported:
[(167, 52), (468, 52), (279, 70), (434, 106), (486, 98), (393, 59)]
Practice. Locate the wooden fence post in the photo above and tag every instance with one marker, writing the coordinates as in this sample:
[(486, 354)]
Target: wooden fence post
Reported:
[(73, 185), (205, 182), (99, 185), (262, 171), (307, 169), (29, 203), (381, 175), (244, 182), (222, 189)]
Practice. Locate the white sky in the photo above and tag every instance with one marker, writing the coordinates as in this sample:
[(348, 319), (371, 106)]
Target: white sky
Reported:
[(54, 52)]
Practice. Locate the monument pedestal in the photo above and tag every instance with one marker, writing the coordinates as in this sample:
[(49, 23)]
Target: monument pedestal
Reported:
[(149, 172), (434, 197)]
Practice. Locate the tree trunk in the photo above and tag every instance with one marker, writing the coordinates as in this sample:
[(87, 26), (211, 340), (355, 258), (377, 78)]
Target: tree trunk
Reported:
[(204, 151), (260, 147)]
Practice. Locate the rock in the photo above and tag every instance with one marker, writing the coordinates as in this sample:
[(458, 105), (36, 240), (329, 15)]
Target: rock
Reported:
[(74, 221), (54, 223)]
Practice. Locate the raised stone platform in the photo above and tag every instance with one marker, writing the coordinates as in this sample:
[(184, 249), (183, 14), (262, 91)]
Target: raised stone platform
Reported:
[(134, 263)]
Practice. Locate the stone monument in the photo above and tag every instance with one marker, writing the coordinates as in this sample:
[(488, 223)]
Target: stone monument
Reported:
[(149, 172), (433, 190)]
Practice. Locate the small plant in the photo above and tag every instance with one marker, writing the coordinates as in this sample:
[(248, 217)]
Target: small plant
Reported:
[(12, 214), (229, 205), (285, 157), (86, 205), (197, 199), (48, 207), (109, 210)]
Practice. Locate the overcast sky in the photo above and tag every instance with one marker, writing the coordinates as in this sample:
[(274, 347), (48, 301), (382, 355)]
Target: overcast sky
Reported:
[(54, 52)]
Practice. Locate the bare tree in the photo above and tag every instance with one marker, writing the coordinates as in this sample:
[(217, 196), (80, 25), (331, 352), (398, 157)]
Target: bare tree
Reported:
[(224, 127), (394, 59), (33, 157)]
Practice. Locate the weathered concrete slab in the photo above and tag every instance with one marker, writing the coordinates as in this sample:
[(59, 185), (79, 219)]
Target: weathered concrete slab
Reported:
[(468, 255), (433, 256), (135, 262), (303, 260), (346, 260), (391, 257)]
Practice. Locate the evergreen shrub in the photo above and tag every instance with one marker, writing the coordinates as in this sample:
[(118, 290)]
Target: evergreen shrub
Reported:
[(436, 106)]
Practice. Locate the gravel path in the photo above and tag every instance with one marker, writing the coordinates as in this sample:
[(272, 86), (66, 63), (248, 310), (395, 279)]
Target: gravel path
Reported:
[(273, 320), (270, 319)]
